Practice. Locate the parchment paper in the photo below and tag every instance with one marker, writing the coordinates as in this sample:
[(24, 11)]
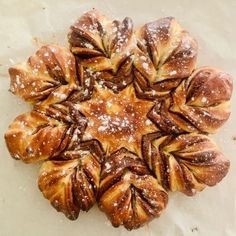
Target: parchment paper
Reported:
[(24, 26)]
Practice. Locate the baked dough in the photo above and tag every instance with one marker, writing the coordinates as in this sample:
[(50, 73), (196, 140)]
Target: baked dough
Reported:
[(120, 119)]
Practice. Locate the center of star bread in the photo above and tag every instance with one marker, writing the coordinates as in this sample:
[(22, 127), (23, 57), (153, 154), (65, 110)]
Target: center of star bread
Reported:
[(117, 120)]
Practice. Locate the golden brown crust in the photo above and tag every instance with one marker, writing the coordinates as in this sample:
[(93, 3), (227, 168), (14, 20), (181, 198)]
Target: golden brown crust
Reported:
[(33, 137), (117, 120), (92, 118), (71, 185), (104, 47), (166, 54), (185, 163), (49, 72), (128, 194), (162, 53), (199, 104)]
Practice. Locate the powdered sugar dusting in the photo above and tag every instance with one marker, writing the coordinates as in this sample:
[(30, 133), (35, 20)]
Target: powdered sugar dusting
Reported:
[(117, 119)]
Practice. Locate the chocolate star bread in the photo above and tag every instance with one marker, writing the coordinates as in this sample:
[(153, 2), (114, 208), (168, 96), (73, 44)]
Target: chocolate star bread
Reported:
[(120, 118)]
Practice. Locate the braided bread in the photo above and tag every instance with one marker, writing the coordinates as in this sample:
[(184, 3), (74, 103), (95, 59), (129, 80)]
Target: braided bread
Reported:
[(120, 119)]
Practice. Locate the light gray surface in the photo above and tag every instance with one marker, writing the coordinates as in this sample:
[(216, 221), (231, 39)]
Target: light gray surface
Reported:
[(23, 210)]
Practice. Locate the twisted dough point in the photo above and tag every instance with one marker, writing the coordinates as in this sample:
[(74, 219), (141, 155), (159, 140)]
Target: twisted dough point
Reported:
[(199, 104), (43, 134), (33, 137), (104, 48), (49, 72), (128, 194), (71, 185), (166, 55), (186, 163)]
